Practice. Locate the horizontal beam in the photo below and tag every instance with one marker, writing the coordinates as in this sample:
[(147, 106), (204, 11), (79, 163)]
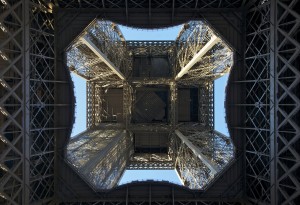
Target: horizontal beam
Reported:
[(101, 55), (213, 41), (211, 165)]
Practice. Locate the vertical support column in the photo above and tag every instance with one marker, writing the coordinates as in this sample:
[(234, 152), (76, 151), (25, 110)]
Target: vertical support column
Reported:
[(26, 103), (273, 102), (211, 104), (127, 102), (174, 104), (206, 104), (90, 104), (258, 157), (93, 104), (285, 18), (97, 104)]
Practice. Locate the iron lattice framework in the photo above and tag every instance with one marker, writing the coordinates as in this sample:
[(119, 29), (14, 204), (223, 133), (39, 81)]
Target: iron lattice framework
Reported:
[(193, 54), (30, 88), (27, 103), (272, 84)]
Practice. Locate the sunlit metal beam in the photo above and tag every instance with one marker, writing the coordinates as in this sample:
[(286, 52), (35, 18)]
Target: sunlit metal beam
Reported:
[(101, 55), (213, 41), (211, 165)]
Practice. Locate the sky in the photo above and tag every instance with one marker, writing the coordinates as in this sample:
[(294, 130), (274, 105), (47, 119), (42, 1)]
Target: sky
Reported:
[(80, 109)]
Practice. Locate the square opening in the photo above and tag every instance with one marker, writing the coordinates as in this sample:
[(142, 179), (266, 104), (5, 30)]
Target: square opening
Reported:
[(112, 105), (149, 142), (151, 66), (188, 104), (151, 105)]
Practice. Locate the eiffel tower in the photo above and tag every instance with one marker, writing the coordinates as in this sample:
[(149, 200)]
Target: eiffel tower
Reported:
[(149, 103)]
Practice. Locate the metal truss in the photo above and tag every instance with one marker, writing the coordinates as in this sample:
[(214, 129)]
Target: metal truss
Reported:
[(147, 194), (174, 104), (177, 202), (131, 4), (95, 92), (151, 161), (27, 102), (257, 62), (200, 154), (92, 116), (199, 171), (285, 81), (99, 53), (272, 124), (28, 87), (127, 103), (100, 156), (152, 48), (206, 104), (148, 14), (200, 54), (192, 171)]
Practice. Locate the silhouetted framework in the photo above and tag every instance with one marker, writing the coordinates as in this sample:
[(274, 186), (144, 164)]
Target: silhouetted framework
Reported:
[(37, 101), (272, 103)]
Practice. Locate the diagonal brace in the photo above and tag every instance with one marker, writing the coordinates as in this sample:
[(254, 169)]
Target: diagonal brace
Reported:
[(101, 55), (211, 165), (213, 41)]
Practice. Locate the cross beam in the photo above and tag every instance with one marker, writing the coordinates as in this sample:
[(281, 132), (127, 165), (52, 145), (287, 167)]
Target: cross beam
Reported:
[(211, 165), (213, 41), (101, 55)]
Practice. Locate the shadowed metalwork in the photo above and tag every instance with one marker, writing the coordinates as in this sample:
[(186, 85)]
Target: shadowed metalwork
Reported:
[(262, 101)]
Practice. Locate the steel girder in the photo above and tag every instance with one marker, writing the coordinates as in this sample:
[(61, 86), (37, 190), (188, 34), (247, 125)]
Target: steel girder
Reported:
[(257, 62), (130, 4), (50, 165), (144, 202), (200, 54), (206, 104), (27, 103), (285, 106), (150, 14), (285, 80), (99, 53), (151, 161), (13, 104), (100, 156), (151, 193), (200, 154), (272, 124)]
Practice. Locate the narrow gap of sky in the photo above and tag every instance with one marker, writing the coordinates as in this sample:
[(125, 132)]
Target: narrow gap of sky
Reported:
[(80, 109), (131, 34), (219, 107), (157, 175)]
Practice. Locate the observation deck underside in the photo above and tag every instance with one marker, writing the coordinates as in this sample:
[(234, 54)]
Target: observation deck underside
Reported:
[(160, 93), (37, 101)]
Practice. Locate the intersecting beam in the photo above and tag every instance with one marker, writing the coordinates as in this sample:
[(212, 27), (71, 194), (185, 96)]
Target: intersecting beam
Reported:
[(213, 41), (213, 168), (101, 55)]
